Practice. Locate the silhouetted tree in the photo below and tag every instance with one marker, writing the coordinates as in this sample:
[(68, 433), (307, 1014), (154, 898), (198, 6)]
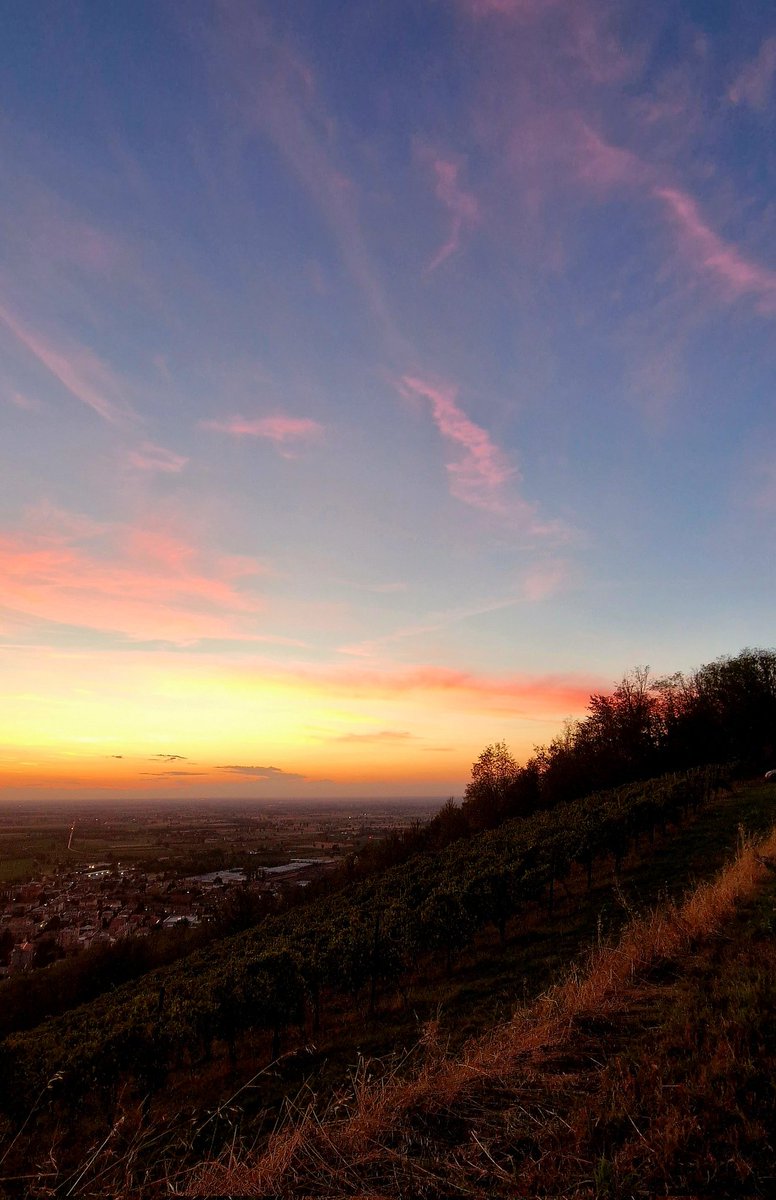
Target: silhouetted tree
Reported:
[(448, 825), (726, 710), (523, 794), (493, 774)]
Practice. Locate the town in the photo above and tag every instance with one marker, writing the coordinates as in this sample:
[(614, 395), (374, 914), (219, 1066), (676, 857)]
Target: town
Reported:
[(176, 871)]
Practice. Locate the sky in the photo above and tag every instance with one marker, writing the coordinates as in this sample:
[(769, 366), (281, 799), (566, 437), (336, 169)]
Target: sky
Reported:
[(377, 380)]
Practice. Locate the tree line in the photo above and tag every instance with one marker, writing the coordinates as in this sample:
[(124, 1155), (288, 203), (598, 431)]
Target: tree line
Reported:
[(723, 712)]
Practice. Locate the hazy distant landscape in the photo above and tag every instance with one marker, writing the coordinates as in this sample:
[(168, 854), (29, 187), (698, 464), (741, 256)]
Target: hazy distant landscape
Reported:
[(74, 878), (204, 831)]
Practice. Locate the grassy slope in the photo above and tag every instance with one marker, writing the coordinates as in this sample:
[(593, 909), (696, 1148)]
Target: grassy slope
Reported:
[(488, 983), (651, 1072), (484, 989)]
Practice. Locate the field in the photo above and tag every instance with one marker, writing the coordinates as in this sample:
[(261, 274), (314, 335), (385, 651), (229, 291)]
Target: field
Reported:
[(16, 870), (196, 837)]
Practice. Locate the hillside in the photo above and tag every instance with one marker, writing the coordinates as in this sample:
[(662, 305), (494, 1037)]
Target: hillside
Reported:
[(289, 969), (200, 1103), (649, 1071)]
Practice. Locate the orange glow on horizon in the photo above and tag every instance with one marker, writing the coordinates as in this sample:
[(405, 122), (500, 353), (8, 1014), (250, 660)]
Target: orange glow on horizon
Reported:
[(173, 723)]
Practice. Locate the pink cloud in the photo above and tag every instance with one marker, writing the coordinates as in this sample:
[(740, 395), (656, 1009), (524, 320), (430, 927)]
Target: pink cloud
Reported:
[(54, 233), (596, 41), (279, 428), (149, 457), (603, 165), (586, 33), (519, 694), (79, 371), (461, 205), (545, 580), (91, 248), (754, 84), (140, 582), (24, 402), (51, 232), (483, 469), (545, 695), (738, 275), (61, 524)]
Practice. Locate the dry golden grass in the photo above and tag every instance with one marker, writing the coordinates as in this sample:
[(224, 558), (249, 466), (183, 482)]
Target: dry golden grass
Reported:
[(360, 1136)]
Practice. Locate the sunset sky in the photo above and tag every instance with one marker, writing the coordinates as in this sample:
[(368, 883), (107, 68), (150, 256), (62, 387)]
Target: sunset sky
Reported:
[(378, 378)]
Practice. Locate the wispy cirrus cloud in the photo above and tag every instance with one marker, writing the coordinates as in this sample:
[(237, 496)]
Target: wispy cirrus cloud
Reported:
[(603, 165), (483, 476), (737, 275), (478, 478), (575, 133), (539, 582), (754, 83), (278, 97), (545, 579), (445, 687), (279, 428), (141, 582), (150, 457), (77, 369), (461, 205), (517, 693), (56, 241), (606, 167), (586, 34), (25, 403), (539, 692)]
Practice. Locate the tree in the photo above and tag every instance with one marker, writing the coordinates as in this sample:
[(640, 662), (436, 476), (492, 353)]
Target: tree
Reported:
[(621, 739), (524, 794), (241, 907), (493, 774), (447, 826), (724, 711), (625, 728)]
